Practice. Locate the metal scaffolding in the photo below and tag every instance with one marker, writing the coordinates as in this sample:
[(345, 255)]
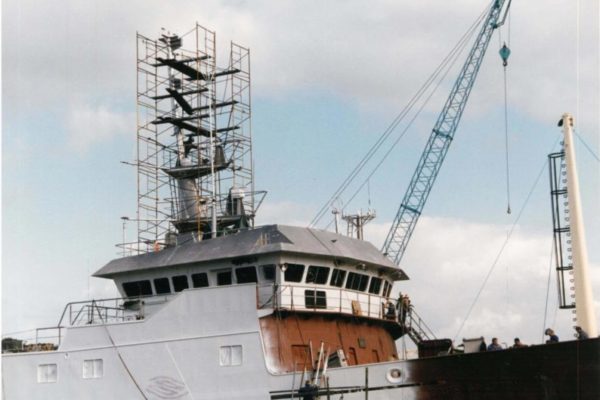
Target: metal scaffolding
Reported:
[(194, 141)]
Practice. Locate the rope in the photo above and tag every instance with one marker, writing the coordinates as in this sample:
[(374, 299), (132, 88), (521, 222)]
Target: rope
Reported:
[(112, 342), (393, 146), (402, 134), (547, 291), (509, 235), (506, 143), (403, 113), (587, 146), (577, 51)]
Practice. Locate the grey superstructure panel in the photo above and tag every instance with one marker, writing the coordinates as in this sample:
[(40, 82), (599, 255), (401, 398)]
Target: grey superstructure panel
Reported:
[(263, 240)]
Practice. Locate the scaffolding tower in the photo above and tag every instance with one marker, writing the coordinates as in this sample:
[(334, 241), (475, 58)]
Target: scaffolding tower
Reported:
[(194, 143)]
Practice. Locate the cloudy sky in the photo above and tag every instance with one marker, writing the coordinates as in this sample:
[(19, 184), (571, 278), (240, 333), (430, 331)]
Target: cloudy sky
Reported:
[(328, 78)]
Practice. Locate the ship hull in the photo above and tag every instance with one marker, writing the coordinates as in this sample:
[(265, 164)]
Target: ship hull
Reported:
[(563, 371)]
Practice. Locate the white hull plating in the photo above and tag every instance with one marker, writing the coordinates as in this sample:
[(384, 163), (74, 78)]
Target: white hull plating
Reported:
[(175, 353)]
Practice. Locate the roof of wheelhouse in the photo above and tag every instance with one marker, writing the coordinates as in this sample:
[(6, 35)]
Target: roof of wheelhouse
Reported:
[(253, 242)]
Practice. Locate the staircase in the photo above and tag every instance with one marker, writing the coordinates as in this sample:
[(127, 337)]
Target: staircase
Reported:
[(416, 328)]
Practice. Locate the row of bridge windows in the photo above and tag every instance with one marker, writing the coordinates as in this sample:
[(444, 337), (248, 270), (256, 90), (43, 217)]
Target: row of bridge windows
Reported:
[(315, 274), (180, 282), (321, 275)]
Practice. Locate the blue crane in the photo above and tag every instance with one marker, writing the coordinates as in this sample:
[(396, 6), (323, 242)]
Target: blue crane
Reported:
[(439, 141)]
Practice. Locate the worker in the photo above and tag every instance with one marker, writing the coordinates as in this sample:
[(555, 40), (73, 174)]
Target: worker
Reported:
[(581, 334), (404, 308), (390, 312), (553, 338), (308, 391), (494, 346)]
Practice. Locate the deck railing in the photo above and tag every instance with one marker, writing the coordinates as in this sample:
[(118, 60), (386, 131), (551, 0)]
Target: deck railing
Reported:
[(318, 298), (114, 310)]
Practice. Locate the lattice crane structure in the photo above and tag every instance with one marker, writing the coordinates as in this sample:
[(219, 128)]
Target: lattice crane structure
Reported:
[(440, 139)]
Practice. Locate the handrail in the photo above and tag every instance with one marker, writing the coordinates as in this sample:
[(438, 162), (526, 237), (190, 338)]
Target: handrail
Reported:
[(104, 310), (337, 300)]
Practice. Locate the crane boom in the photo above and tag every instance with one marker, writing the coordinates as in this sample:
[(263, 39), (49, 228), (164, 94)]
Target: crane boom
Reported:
[(439, 141)]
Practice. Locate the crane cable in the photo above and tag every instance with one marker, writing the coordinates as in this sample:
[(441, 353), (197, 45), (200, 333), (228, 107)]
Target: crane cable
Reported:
[(449, 59), (504, 54)]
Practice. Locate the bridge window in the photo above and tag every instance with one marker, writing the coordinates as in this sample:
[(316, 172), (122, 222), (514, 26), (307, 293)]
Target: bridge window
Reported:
[(93, 369), (180, 283), (317, 274), (47, 373), (137, 288), (268, 272), (294, 272), (224, 278), (357, 281), (200, 280), (337, 277), (161, 285), (246, 275), (375, 285), (315, 299), (387, 288)]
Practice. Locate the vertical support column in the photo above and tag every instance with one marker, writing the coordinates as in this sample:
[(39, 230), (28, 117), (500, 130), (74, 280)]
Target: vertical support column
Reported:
[(583, 290)]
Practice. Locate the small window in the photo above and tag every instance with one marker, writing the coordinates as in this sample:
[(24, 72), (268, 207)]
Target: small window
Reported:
[(357, 281), (386, 289), (337, 277), (47, 373), (137, 288), (317, 274), (315, 299), (180, 283), (375, 285), (93, 369), (246, 275), (224, 278), (200, 280), (294, 272), (161, 285), (268, 272), (230, 356)]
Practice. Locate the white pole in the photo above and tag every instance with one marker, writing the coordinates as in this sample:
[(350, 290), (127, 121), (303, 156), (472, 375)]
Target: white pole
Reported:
[(584, 301)]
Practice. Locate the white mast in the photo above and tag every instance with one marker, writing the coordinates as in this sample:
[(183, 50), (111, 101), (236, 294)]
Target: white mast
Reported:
[(584, 301)]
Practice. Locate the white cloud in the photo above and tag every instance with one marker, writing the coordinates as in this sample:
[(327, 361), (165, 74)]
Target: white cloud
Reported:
[(87, 125), (371, 56)]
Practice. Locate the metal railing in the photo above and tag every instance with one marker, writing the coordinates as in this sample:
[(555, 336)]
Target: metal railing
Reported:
[(416, 327), (321, 298), (104, 311), (340, 300)]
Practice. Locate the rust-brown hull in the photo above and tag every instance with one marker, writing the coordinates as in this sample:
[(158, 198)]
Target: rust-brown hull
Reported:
[(292, 340)]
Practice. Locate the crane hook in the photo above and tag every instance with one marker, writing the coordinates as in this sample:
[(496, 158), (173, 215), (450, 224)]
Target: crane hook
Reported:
[(504, 54)]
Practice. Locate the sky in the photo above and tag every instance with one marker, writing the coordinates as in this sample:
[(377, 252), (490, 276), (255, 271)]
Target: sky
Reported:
[(327, 79)]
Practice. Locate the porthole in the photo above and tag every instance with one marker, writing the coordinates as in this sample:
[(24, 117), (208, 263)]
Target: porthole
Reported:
[(394, 375)]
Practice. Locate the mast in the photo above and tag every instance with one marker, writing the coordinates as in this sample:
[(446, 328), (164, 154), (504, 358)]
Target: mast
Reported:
[(194, 158), (583, 290)]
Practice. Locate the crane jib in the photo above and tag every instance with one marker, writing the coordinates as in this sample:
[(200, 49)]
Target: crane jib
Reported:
[(440, 139)]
